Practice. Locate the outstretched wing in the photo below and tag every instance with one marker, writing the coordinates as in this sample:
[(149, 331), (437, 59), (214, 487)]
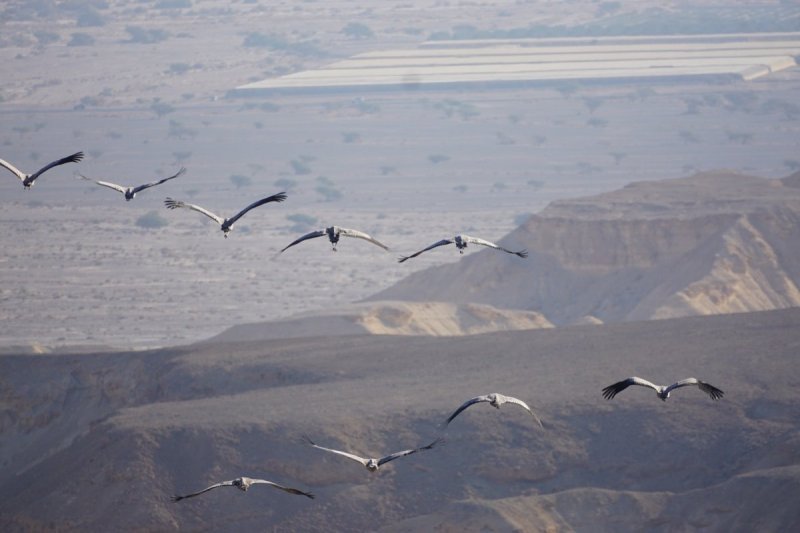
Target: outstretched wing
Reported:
[(312, 235), (483, 242), (464, 405), (361, 235), (281, 196), (175, 204), (159, 182), (711, 390), (431, 247), (192, 495), (397, 455), (290, 490), (517, 401), (74, 158), (17, 172), (345, 454), (612, 390), (110, 185)]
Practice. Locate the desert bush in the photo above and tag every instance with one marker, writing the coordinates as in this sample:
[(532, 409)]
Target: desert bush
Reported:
[(302, 223), (80, 39), (350, 137), (46, 37), (161, 108), (535, 184), (326, 188), (177, 129), (240, 180), (179, 68), (269, 107), (287, 184), (88, 17), (145, 36), (741, 137), (182, 156), (596, 122), (151, 220), (357, 30), (438, 158), (688, 137), (460, 188), (299, 167), (173, 4)]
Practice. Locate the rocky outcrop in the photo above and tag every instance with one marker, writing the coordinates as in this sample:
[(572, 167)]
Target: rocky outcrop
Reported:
[(714, 243)]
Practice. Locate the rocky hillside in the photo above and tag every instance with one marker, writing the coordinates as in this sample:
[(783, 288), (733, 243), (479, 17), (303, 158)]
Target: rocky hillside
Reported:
[(101, 441), (716, 242), (437, 319)]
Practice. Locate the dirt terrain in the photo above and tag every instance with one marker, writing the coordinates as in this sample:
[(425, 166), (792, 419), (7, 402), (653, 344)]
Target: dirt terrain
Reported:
[(103, 440)]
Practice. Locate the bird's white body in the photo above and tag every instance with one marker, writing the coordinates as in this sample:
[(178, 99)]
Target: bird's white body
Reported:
[(494, 399)]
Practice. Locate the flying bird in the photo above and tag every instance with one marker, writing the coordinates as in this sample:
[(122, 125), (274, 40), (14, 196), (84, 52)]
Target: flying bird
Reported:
[(662, 391), (495, 400), (226, 224), (28, 179), (243, 483), (461, 242), (373, 464), (130, 192), (334, 232)]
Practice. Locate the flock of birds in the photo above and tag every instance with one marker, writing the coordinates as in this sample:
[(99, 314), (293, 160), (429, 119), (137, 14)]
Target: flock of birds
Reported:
[(334, 233), (226, 224)]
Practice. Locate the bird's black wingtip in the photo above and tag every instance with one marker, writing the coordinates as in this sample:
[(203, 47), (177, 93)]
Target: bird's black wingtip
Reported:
[(402, 258), (74, 158), (176, 498), (609, 392), (281, 196), (522, 253)]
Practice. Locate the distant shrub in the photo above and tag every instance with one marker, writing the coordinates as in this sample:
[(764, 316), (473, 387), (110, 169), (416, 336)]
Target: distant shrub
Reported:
[(269, 107), (350, 137), (535, 184), (151, 220), (301, 222), (88, 17), (81, 39), (358, 30), (179, 68), (460, 188), (287, 184), (46, 37), (300, 168), (177, 129), (327, 189), (144, 36), (438, 158), (161, 108), (173, 4), (240, 181)]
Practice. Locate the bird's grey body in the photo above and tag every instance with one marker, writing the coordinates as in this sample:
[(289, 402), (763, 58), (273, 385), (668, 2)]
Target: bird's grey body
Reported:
[(131, 192), (334, 233), (226, 224), (29, 179), (244, 483), (662, 391), (373, 464), (494, 399), (461, 242)]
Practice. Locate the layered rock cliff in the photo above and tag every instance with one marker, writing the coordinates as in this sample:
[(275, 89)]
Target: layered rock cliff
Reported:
[(716, 242)]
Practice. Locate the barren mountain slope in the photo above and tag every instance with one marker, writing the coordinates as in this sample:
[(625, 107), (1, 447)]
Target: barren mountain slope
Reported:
[(714, 243), (390, 318), (102, 441)]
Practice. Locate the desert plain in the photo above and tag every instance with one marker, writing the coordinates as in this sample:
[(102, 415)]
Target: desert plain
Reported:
[(143, 355)]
